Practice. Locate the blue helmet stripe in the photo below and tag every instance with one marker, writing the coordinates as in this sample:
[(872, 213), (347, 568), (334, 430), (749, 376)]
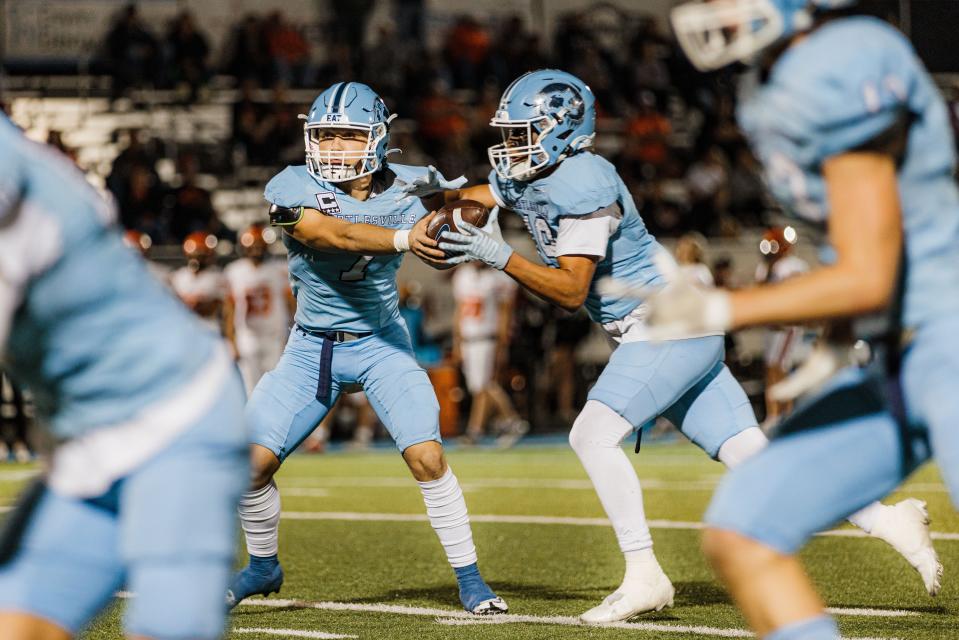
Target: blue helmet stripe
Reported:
[(337, 96), (345, 93)]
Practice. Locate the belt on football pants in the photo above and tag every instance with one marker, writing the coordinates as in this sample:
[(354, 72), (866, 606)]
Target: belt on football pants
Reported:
[(324, 382)]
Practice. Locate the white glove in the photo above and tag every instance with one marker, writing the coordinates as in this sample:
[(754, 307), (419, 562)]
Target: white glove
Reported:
[(681, 308), (425, 186), (486, 244), (825, 359)]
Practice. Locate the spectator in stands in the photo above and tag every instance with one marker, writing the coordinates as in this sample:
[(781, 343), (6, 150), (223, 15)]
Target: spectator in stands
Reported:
[(190, 207), (649, 72), (707, 181), (466, 52), (131, 51), (747, 193), (508, 56), (188, 52), (439, 117), (55, 140), (247, 56), (691, 256), (383, 68), (409, 19), (288, 49), (646, 141), (598, 71), (349, 26), (142, 204)]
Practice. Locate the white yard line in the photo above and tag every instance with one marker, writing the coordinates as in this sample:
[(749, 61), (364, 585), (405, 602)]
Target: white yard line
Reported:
[(871, 613), (544, 520), (704, 484), (449, 616), (294, 633), (456, 617)]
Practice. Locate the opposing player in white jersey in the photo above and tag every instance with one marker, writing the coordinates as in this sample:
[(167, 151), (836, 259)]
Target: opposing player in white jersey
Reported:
[(263, 305), (142, 243), (586, 226), (202, 287), (481, 332), (784, 346)]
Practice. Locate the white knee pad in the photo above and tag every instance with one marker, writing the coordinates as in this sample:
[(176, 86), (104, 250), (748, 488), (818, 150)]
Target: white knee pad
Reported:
[(742, 446), (598, 426)]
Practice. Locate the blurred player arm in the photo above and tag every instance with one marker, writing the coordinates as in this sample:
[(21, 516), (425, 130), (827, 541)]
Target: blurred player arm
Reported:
[(865, 229), (328, 233), (228, 320), (565, 286)]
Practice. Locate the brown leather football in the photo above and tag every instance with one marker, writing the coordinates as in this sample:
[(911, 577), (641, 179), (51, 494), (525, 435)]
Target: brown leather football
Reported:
[(446, 217)]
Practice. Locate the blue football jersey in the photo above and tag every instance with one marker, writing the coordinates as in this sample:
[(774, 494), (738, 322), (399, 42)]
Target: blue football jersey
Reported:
[(837, 90), (95, 337), (583, 184), (338, 291)]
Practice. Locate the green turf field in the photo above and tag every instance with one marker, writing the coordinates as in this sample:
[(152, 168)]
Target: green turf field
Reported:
[(362, 562)]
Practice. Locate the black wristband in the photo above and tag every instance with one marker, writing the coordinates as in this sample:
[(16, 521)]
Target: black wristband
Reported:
[(283, 216)]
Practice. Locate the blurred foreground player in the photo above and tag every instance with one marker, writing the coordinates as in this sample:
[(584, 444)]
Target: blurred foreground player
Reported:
[(586, 226), (263, 305), (144, 405), (347, 223), (854, 135)]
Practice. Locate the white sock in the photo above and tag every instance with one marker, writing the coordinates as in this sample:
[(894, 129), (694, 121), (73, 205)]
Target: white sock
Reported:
[(865, 518), (742, 446), (446, 509), (260, 518), (596, 437), (640, 565)]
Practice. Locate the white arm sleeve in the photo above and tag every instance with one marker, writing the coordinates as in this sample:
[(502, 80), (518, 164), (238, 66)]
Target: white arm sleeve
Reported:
[(588, 235)]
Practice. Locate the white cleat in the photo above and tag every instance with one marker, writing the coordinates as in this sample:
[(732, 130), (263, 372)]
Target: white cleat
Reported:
[(905, 527), (632, 600)]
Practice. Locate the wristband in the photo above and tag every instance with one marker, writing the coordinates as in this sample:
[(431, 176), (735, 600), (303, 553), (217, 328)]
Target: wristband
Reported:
[(401, 240)]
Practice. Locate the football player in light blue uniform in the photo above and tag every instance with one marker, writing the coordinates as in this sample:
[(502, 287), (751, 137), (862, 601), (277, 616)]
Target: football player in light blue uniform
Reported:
[(348, 216), (586, 228), (144, 406), (854, 135)]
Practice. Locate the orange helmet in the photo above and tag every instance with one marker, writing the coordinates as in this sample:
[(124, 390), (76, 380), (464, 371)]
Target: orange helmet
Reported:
[(253, 241), (777, 242), (199, 245), (137, 240)]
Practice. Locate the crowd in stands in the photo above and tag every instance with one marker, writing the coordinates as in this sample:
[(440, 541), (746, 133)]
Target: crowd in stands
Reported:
[(669, 130)]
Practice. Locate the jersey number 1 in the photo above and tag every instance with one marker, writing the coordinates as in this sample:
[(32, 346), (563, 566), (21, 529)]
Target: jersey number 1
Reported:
[(357, 272)]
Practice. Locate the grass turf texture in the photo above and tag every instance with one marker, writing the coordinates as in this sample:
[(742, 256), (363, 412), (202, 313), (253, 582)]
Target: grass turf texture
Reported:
[(545, 569)]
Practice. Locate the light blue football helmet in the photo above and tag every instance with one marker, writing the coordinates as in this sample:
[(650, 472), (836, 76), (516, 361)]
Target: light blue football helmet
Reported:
[(347, 105), (718, 32), (544, 116)]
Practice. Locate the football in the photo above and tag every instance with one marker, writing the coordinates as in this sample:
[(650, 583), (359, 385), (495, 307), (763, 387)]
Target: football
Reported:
[(449, 215)]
